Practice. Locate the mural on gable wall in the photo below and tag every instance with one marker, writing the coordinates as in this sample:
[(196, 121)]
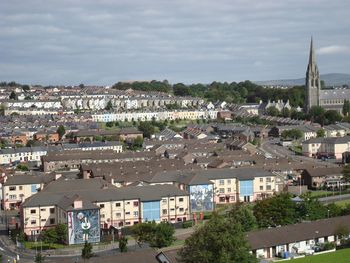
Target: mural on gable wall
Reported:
[(201, 197), (83, 225)]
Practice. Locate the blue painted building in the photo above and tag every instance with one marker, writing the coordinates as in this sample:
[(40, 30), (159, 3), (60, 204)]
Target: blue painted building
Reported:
[(151, 211), (246, 190)]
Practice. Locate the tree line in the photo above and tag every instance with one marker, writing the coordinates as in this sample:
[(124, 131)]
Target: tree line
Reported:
[(241, 92)]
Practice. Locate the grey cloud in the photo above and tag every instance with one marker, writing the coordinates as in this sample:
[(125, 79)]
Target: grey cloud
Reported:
[(185, 40)]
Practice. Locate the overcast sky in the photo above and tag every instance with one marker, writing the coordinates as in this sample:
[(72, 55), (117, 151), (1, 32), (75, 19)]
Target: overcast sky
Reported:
[(105, 41)]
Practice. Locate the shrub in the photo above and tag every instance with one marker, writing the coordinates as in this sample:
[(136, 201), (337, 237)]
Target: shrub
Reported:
[(187, 224)]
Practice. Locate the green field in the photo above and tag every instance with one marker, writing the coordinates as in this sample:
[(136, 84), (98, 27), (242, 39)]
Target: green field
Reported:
[(340, 256), (342, 203)]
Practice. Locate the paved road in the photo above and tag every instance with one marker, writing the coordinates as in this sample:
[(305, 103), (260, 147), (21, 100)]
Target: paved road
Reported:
[(275, 150), (335, 198)]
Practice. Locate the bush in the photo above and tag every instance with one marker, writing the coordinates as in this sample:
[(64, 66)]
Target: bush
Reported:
[(328, 246), (187, 224)]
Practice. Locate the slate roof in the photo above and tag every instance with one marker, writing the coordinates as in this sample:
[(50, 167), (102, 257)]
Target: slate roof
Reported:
[(298, 232)]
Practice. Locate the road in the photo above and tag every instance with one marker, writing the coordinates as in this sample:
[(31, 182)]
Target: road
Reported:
[(275, 150)]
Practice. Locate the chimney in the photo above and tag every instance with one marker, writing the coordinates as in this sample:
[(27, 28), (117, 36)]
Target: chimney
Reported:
[(77, 204)]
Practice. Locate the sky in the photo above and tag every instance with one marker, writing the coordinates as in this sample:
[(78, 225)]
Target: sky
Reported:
[(53, 42)]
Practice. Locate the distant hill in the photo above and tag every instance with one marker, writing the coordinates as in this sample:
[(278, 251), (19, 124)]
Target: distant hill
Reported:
[(332, 79)]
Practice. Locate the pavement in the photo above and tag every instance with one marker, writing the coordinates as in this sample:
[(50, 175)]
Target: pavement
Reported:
[(10, 252)]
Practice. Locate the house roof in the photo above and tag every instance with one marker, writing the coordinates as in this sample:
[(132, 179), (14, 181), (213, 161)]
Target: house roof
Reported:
[(88, 189), (298, 232)]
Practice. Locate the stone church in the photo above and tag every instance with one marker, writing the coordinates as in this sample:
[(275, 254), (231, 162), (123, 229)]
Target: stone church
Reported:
[(329, 99)]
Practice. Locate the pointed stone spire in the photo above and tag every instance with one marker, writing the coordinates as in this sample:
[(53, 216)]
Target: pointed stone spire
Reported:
[(312, 57)]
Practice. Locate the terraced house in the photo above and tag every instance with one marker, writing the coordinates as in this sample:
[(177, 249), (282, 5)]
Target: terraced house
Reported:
[(99, 204)]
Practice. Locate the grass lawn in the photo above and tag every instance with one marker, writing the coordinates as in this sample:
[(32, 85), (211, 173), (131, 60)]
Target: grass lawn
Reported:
[(320, 193), (342, 203), (44, 246), (339, 256)]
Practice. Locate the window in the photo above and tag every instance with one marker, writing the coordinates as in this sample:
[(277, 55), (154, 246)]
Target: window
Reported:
[(181, 209), (52, 210), (13, 197), (127, 203), (229, 190), (222, 190), (221, 182), (232, 198), (12, 188), (136, 213), (164, 201), (136, 203), (127, 223), (118, 214), (164, 212), (261, 180), (222, 199), (52, 221), (172, 209), (261, 187), (181, 199), (228, 181), (127, 213), (21, 187), (33, 222), (268, 179), (33, 211), (117, 204), (102, 205), (42, 209), (172, 199), (43, 220), (268, 187)]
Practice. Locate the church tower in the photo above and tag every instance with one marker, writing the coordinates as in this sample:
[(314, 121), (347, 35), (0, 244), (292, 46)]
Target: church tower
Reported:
[(313, 82)]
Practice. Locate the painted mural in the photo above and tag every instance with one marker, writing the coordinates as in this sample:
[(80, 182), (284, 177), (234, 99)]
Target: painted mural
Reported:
[(201, 197), (84, 225)]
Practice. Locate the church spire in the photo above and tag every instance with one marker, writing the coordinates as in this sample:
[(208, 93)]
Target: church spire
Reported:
[(312, 57)]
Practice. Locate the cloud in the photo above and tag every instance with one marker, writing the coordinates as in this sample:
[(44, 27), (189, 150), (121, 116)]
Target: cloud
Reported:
[(334, 49), (183, 41)]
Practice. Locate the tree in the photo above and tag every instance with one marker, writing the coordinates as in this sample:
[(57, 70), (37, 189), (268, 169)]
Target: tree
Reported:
[(62, 233), (86, 252), (317, 114), (13, 96), (109, 124), (39, 258), (244, 215), (275, 211), (109, 105), (272, 111), (311, 208), (49, 236), (163, 235), (137, 143), (285, 112), (123, 241), (61, 131), (332, 116), (294, 134), (346, 108), (181, 90), (22, 167), (321, 133), (143, 232), (220, 240), (147, 128)]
